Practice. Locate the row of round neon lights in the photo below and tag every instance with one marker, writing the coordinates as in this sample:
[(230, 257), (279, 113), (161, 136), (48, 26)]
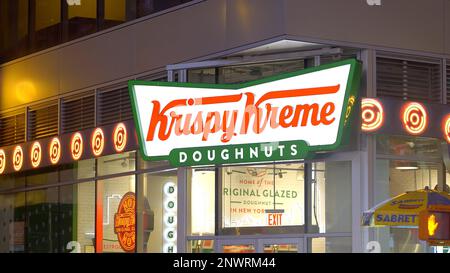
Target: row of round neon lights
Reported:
[(76, 148), (413, 115)]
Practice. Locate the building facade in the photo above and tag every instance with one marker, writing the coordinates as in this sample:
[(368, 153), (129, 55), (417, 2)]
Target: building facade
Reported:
[(71, 154)]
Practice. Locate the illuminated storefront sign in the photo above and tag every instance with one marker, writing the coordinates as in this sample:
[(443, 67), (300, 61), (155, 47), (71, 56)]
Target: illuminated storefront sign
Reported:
[(415, 118), (67, 148), (18, 158), (446, 128), (281, 117), (170, 218), (372, 115), (125, 222), (36, 154), (98, 142), (54, 150), (2, 161), (120, 137), (398, 117), (76, 146)]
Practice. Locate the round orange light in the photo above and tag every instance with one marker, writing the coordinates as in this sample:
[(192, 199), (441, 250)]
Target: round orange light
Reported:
[(18, 158), (97, 142), (2, 161), (120, 137), (76, 146), (446, 128), (54, 150), (414, 118), (372, 115), (36, 154)]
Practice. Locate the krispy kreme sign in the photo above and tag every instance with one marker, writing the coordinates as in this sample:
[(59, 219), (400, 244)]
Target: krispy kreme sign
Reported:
[(277, 118)]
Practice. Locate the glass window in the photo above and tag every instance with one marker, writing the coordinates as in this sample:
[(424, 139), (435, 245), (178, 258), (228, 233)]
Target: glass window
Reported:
[(77, 217), (42, 178), (47, 20), (399, 240), (146, 7), (280, 248), (116, 163), (12, 222), (201, 246), (392, 178), (408, 146), (42, 221), (152, 165), (10, 181), (157, 212), (331, 200), (81, 169), (244, 73), (13, 28), (113, 191), (114, 12), (48, 13), (238, 248), (205, 75), (331, 245), (202, 201), (82, 19), (262, 196)]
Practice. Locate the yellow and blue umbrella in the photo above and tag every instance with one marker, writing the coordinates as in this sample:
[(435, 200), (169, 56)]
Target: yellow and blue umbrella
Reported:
[(403, 210)]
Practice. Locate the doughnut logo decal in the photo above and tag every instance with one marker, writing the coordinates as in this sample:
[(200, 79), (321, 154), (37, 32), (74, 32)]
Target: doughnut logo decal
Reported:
[(18, 158), (446, 128), (55, 150), (36, 154), (414, 118), (2, 161), (120, 137), (76, 146), (372, 115), (98, 142), (124, 222)]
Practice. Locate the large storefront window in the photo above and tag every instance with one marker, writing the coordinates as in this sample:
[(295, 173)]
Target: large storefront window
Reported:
[(116, 163), (112, 191), (243, 73), (404, 164), (12, 222), (78, 170), (202, 203), (331, 197), (42, 225), (262, 196), (82, 198)]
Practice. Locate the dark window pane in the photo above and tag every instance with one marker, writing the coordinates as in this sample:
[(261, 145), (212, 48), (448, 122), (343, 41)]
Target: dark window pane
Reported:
[(47, 23), (114, 13), (42, 220), (12, 222), (146, 7), (13, 29), (82, 19)]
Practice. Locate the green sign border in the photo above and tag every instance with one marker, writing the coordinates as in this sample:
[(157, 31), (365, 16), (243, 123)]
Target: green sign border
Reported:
[(351, 90)]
